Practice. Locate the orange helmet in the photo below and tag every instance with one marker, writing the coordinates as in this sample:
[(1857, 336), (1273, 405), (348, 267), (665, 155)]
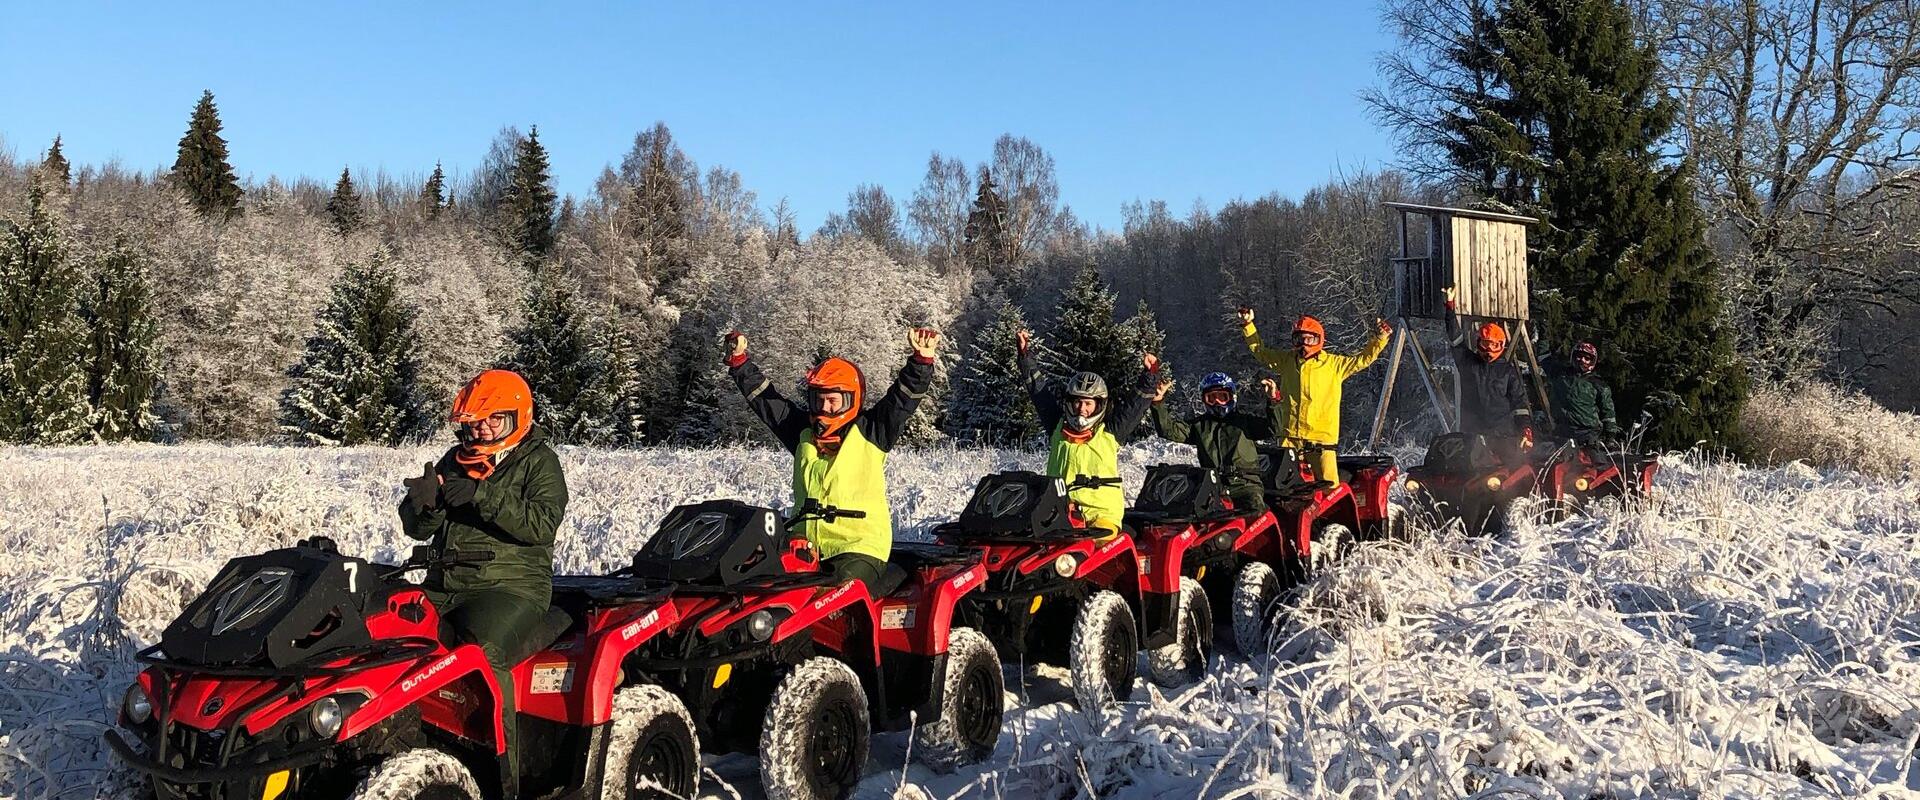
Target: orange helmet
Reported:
[(496, 391), (1492, 341), (1309, 335), (834, 376)]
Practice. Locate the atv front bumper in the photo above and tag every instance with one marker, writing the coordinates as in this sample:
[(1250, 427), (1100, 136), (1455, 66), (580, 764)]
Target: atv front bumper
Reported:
[(242, 780)]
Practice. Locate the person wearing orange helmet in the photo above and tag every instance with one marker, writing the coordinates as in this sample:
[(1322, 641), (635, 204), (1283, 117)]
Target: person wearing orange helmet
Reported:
[(1310, 380), (1493, 395), (840, 449), (500, 490)]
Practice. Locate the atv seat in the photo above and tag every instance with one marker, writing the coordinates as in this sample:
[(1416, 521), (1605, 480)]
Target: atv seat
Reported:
[(909, 558), (549, 630)]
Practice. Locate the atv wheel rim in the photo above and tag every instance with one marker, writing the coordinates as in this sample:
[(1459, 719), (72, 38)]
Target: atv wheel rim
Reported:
[(979, 721), (832, 746), (1119, 660), (655, 766)]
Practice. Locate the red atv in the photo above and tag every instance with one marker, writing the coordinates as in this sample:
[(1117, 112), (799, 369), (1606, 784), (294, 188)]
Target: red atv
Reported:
[(1463, 477), (1196, 543), (301, 672), (1047, 573), (1316, 522)]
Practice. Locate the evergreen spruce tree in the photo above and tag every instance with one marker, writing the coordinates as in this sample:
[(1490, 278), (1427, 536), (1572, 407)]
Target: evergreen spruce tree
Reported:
[(988, 244), (1142, 334), (1086, 335), (657, 214), (201, 170), (56, 164), (358, 381), (1621, 256), (43, 340), (990, 403), (527, 205), (123, 369), (625, 384), (561, 353), (343, 208), (433, 195)]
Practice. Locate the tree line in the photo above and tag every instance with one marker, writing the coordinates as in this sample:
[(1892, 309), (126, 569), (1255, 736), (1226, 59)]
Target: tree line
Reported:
[(187, 303)]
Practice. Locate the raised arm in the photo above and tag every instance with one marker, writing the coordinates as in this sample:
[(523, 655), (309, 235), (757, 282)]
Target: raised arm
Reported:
[(421, 515), (785, 418), (883, 422), (1170, 428), (1127, 409), (1361, 360), (1268, 357), (1273, 424), (1044, 392)]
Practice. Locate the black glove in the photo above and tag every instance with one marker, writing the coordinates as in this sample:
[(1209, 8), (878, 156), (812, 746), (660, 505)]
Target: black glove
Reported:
[(458, 490), (424, 492)]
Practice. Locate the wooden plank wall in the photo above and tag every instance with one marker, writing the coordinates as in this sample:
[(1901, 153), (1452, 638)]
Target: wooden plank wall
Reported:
[(1489, 268)]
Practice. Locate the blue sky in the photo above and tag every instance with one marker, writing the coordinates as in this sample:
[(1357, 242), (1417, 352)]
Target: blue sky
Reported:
[(806, 100)]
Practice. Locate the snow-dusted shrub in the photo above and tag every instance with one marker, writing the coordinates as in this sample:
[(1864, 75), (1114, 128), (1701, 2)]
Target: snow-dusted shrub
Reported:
[(1830, 427)]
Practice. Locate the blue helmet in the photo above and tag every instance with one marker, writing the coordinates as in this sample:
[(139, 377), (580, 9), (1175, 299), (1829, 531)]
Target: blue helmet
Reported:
[(1218, 380)]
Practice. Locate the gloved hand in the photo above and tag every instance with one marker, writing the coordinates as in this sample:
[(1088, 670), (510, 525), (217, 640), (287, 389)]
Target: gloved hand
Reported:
[(1526, 438), (736, 346), (424, 492), (458, 491)]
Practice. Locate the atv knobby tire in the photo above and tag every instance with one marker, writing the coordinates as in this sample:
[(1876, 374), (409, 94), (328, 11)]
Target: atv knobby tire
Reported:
[(971, 709), (1185, 661), (1397, 523), (1256, 592), (1104, 651), (422, 774), (813, 744), (652, 750), (1331, 542)]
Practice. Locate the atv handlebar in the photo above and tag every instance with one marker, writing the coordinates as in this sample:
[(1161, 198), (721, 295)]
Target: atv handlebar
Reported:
[(425, 557), (814, 510)]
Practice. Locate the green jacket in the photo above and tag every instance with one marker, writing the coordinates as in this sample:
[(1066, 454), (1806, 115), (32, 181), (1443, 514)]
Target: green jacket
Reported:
[(1582, 404), (515, 513), (1226, 444)]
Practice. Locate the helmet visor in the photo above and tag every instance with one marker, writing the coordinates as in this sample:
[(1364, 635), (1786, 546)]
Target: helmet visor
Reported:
[(828, 402), (1306, 339), (492, 428)]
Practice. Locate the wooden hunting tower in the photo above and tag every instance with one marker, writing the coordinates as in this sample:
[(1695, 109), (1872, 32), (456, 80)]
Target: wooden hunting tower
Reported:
[(1482, 257), (1481, 254)]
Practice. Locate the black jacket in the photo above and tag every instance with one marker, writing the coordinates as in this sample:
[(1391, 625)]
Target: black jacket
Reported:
[(1226, 444), (515, 513), (1125, 409), (880, 423), (1493, 395)]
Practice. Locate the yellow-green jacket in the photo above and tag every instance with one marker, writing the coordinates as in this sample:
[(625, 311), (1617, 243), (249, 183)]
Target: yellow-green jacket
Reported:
[(1310, 388)]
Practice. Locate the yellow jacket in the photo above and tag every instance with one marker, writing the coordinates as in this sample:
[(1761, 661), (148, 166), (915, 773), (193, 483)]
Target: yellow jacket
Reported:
[(1310, 389)]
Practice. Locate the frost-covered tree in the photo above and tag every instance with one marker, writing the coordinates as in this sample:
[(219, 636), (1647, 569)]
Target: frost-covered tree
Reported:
[(872, 213), (343, 206), (1032, 195), (987, 243), (43, 340), (201, 171), (122, 363), (990, 402), (56, 164), (433, 193), (1087, 336), (625, 383), (527, 204), (1141, 333), (486, 187), (658, 209), (559, 349), (939, 209), (358, 382)]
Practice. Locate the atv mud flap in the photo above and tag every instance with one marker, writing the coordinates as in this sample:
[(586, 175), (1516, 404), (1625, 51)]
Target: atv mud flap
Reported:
[(1159, 619), (916, 687)]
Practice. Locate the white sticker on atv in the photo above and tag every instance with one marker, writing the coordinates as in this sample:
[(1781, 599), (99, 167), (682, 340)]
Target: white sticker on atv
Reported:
[(552, 678), (633, 629), (896, 618)]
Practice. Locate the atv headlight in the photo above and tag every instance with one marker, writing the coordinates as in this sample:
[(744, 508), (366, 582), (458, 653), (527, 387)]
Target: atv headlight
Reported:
[(1493, 483), (1581, 483), (138, 706), (1413, 485), (760, 625), (1065, 565), (326, 717)]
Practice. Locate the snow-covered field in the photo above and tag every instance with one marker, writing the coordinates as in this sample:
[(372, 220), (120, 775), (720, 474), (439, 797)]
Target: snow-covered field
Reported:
[(1752, 633)]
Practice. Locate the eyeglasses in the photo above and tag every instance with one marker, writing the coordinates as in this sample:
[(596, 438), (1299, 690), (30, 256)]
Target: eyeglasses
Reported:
[(1308, 339)]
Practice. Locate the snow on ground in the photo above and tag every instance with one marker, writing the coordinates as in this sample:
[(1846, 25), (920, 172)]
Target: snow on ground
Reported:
[(1751, 633)]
